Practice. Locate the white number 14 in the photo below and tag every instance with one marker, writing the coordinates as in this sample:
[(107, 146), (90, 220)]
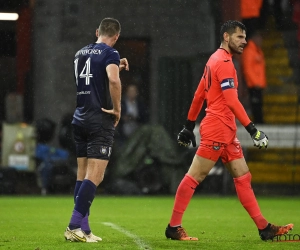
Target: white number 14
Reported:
[(85, 73)]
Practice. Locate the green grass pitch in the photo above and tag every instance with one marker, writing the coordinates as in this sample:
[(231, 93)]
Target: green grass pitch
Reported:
[(38, 223)]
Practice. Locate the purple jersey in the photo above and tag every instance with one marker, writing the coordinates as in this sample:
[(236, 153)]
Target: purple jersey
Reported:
[(92, 84)]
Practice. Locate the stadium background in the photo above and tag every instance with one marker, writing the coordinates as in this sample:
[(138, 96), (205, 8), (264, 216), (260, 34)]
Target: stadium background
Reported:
[(167, 44)]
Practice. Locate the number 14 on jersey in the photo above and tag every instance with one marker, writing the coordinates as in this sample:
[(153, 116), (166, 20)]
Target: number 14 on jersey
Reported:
[(85, 73)]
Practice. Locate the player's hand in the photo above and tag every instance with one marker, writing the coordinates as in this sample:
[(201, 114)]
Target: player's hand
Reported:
[(260, 139), (124, 64), (186, 135), (115, 113)]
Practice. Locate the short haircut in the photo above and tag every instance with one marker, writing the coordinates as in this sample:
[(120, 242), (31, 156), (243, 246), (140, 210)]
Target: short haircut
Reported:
[(109, 27), (230, 27)]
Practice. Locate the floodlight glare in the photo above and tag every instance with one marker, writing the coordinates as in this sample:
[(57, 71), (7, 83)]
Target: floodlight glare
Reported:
[(9, 16)]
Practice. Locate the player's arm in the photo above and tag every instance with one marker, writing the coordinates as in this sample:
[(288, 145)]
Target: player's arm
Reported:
[(186, 135), (197, 102), (235, 106), (259, 138), (115, 91), (226, 73)]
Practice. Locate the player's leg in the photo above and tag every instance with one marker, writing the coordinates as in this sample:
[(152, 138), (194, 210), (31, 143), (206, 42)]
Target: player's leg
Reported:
[(98, 150), (85, 196), (95, 174), (99, 147), (239, 170), (197, 172), (82, 163), (242, 181), (81, 138), (81, 173), (81, 153)]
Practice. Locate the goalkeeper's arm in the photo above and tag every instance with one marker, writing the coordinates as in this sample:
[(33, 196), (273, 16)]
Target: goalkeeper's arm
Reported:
[(186, 135), (259, 138)]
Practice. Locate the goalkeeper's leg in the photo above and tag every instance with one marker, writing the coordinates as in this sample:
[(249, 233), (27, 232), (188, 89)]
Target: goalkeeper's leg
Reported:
[(234, 160), (248, 200), (242, 182), (183, 196), (199, 169)]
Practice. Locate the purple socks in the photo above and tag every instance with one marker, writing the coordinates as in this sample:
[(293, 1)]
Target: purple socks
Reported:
[(83, 201)]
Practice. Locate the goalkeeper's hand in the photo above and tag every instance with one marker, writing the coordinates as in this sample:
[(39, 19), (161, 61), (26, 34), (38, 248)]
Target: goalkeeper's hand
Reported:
[(259, 138), (186, 135)]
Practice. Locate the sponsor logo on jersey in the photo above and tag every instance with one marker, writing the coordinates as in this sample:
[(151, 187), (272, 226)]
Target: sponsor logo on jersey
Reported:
[(84, 93)]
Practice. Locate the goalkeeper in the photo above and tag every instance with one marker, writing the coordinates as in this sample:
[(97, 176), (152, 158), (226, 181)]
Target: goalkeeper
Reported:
[(218, 86)]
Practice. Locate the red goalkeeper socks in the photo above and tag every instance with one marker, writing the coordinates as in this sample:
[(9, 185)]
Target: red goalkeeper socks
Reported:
[(247, 198), (183, 196)]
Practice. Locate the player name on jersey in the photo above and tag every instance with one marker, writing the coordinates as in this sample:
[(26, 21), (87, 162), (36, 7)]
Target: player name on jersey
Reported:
[(88, 51)]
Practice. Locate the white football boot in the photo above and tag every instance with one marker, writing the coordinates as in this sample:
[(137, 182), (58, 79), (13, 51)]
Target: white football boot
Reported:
[(77, 235), (92, 236)]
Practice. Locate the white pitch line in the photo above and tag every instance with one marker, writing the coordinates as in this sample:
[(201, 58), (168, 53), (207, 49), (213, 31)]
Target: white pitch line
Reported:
[(141, 244)]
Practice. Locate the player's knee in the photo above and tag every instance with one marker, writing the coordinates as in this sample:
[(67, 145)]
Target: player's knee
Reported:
[(198, 176), (244, 179)]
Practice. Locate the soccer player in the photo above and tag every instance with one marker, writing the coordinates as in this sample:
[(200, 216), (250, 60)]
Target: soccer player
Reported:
[(98, 111), (218, 86)]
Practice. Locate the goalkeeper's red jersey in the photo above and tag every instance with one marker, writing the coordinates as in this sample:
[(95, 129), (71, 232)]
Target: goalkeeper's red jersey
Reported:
[(218, 86)]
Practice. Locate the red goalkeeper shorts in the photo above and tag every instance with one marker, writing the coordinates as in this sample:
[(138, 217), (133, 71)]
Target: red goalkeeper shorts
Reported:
[(218, 140), (213, 150)]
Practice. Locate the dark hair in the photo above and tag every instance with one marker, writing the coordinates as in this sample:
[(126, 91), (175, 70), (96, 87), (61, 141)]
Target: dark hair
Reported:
[(109, 27), (230, 27)]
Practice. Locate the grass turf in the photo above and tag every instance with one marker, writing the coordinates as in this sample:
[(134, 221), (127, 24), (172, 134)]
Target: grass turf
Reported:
[(38, 223)]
